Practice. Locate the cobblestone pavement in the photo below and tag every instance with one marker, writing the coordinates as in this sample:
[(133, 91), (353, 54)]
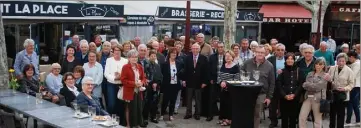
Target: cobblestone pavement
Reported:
[(179, 122)]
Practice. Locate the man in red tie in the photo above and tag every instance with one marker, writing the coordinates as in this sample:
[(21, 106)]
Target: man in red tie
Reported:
[(194, 79)]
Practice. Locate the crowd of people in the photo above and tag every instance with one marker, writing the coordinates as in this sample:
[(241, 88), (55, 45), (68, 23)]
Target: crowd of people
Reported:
[(133, 79)]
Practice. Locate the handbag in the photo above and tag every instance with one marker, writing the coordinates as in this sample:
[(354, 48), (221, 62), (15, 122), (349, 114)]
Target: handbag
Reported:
[(336, 95), (120, 93), (325, 105)]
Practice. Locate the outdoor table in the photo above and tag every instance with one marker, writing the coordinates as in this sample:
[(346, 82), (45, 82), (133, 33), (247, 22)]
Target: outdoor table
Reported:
[(47, 112), (244, 99)]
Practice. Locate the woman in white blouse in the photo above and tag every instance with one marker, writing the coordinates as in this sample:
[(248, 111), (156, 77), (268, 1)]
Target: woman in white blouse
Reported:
[(113, 69), (94, 70)]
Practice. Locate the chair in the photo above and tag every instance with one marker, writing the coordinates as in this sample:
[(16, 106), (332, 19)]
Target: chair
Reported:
[(10, 120), (10, 62)]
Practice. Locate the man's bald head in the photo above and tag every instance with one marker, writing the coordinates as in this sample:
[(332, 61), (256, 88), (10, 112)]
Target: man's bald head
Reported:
[(155, 45)]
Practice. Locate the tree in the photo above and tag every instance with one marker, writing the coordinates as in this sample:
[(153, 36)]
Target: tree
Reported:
[(314, 7), (4, 75), (230, 11)]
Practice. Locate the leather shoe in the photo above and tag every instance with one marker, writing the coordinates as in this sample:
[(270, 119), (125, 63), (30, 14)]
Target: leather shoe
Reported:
[(187, 116), (197, 117), (209, 119), (272, 125), (143, 125), (154, 121), (145, 122)]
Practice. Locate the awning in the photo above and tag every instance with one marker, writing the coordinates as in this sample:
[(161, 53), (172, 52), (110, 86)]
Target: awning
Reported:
[(285, 13)]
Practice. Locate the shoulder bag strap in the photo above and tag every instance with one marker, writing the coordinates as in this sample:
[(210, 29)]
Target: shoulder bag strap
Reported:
[(297, 74)]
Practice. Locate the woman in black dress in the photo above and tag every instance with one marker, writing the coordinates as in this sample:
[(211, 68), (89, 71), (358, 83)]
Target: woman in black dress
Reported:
[(69, 62), (228, 72), (289, 84)]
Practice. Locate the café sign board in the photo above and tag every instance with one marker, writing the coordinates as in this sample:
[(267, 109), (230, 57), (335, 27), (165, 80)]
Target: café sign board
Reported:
[(286, 20), (180, 13), (137, 20), (30, 9), (345, 8)]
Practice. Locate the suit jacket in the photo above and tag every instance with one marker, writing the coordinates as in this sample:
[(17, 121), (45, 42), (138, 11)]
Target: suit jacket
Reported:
[(272, 59), (78, 56), (195, 76), (68, 95), (83, 101), (167, 76), (160, 58), (213, 66), (128, 80)]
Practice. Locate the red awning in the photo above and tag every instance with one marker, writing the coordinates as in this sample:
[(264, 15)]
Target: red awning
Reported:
[(284, 11)]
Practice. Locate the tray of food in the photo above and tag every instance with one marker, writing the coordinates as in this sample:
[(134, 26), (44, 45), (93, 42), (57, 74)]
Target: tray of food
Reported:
[(99, 118)]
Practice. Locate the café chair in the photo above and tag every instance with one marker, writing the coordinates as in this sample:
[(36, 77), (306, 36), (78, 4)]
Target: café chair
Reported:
[(10, 120)]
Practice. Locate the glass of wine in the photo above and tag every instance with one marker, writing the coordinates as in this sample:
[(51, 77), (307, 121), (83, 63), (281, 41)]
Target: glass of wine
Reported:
[(256, 74), (242, 76), (247, 77)]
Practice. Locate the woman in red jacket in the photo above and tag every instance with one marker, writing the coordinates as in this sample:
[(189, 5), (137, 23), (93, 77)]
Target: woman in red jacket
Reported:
[(133, 80)]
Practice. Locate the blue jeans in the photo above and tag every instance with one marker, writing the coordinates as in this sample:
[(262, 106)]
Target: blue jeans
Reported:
[(353, 105), (112, 91)]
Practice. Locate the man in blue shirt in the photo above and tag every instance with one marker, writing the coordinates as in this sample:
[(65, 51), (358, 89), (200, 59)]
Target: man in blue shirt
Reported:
[(323, 52), (278, 62), (26, 56)]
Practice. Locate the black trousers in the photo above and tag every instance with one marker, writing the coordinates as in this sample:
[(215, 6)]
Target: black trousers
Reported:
[(197, 93), (274, 107), (209, 102), (170, 94), (290, 111), (337, 114), (151, 104), (225, 111)]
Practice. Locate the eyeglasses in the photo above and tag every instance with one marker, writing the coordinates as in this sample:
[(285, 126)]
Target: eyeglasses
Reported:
[(56, 68), (70, 79), (89, 84), (280, 50)]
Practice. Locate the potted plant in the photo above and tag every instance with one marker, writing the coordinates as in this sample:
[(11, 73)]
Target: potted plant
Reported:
[(13, 84)]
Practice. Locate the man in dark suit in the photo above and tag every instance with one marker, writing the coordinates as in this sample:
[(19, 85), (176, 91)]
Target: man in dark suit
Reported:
[(278, 62), (216, 61), (82, 55), (195, 78)]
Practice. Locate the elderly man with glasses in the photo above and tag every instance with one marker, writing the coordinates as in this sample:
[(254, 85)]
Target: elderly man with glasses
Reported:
[(278, 62)]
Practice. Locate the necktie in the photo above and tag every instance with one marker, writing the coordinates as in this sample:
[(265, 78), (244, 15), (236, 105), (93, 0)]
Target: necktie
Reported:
[(194, 61)]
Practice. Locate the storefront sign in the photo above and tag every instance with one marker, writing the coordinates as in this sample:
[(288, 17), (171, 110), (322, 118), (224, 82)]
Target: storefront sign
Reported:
[(168, 12), (138, 20), (286, 20), (351, 9), (48, 9)]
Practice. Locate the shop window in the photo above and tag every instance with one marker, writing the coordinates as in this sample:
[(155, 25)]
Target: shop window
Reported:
[(107, 32)]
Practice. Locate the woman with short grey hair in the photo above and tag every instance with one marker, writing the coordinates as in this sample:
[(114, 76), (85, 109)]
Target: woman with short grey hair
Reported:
[(86, 98), (133, 80), (26, 56), (342, 83)]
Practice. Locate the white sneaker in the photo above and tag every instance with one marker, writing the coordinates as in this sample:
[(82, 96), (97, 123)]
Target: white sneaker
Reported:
[(349, 125), (160, 118)]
